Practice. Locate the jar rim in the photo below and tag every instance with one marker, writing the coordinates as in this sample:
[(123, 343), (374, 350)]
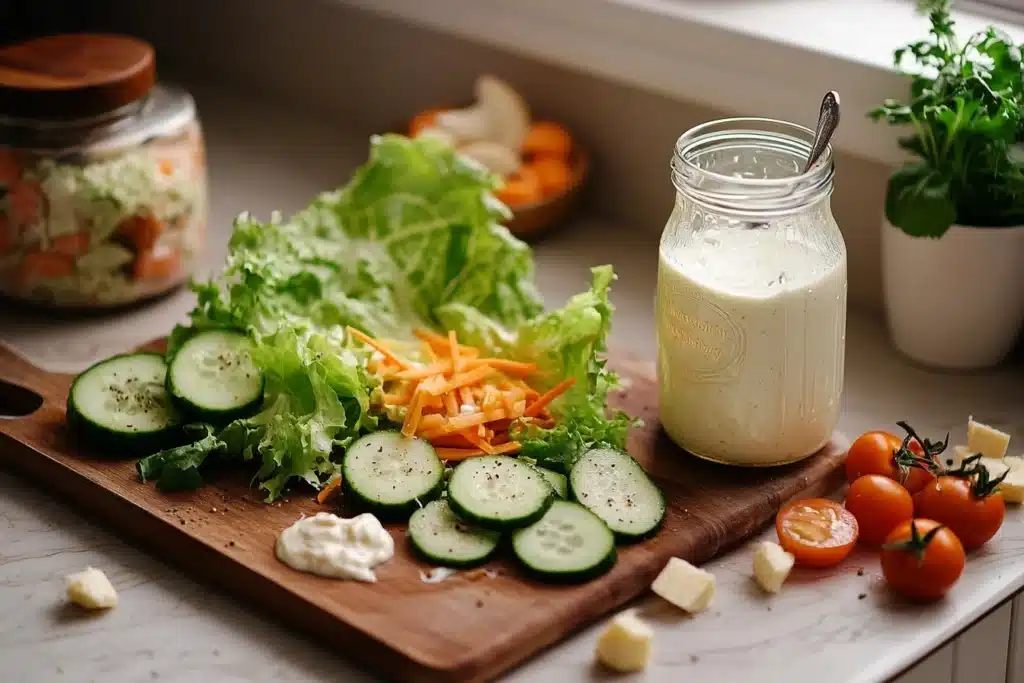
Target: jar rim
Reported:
[(766, 193)]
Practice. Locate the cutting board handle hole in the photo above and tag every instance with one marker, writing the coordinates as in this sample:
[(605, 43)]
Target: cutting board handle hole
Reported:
[(17, 401)]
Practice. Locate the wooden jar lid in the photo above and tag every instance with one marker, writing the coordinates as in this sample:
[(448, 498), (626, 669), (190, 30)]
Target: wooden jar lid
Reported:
[(73, 76)]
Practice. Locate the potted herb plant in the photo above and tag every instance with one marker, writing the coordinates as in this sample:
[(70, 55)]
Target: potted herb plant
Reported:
[(953, 239)]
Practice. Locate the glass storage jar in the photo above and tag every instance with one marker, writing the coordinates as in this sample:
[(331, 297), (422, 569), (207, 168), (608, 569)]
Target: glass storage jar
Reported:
[(102, 174), (751, 296)]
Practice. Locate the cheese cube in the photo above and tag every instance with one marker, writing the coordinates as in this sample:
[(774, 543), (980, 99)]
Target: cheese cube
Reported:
[(1012, 487), (983, 439), (625, 644), (91, 589), (772, 565), (685, 586), (995, 466)]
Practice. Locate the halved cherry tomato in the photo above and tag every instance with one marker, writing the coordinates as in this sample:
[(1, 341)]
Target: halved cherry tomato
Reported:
[(973, 510), (817, 531), (879, 504), (880, 453), (922, 559)]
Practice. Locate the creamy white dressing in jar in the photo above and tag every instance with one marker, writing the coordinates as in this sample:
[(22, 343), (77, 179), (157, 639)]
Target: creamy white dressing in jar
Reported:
[(751, 298), (335, 547)]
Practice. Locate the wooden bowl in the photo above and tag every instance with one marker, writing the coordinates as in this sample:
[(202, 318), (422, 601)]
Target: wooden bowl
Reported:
[(532, 221)]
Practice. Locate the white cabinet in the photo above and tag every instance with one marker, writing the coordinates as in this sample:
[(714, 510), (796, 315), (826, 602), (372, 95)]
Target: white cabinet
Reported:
[(937, 668), (1015, 667), (991, 651), (980, 654)]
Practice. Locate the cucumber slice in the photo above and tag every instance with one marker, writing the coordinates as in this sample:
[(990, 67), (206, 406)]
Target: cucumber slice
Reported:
[(615, 487), (392, 474), (569, 544), (212, 377), (557, 480), (121, 404), (498, 492), (442, 538)]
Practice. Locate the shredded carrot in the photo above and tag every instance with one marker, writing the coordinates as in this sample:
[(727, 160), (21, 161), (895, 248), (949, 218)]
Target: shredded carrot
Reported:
[(451, 404), (461, 422), (459, 400), (329, 489), (509, 367), (379, 347), (436, 368), (441, 344), (451, 454), (477, 441), (412, 418), (453, 343), (506, 448), (543, 401), (465, 379)]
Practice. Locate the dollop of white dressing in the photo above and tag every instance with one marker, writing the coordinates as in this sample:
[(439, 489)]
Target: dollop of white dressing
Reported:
[(335, 547)]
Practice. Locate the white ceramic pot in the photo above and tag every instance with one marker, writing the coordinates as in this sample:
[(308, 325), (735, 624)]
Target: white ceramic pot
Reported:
[(956, 302)]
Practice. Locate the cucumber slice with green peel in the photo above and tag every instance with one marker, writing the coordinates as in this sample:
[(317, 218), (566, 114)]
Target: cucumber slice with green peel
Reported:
[(616, 488), (567, 545), (440, 537), (557, 481), (392, 474), (498, 492), (121, 404), (213, 378)]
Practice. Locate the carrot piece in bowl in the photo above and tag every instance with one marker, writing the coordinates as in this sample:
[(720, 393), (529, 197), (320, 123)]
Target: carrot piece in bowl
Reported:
[(425, 119), (554, 174), (547, 138), (521, 188)]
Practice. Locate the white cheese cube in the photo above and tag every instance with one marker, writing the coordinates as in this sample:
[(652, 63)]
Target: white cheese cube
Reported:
[(685, 586), (1012, 487), (91, 589), (983, 439), (625, 644), (772, 565), (995, 466)]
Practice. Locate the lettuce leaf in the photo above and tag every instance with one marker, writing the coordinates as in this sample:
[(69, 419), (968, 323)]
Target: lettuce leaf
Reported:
[(413, 240)]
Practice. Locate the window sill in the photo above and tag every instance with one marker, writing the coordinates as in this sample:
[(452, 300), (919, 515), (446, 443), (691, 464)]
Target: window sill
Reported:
[(752, 57)]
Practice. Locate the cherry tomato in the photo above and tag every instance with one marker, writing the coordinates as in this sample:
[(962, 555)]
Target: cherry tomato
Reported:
[(817, 531), (973, 514), (879, 453), (922, 559), (879, 504)]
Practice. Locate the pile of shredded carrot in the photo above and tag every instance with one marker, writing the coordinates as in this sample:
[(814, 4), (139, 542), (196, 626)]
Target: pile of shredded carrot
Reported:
[(460, 401)]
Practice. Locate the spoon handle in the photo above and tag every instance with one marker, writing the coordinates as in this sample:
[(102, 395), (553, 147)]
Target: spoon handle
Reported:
[(828, 121)]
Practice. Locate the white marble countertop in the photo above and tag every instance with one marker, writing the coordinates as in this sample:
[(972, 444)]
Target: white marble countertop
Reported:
[(169, 628)]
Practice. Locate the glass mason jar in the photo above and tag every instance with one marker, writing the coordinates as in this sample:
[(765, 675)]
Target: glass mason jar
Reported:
[(751, 296), (102, 184)]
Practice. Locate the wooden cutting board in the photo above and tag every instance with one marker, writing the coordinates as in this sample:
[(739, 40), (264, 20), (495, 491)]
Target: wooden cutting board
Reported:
[(468, 628)]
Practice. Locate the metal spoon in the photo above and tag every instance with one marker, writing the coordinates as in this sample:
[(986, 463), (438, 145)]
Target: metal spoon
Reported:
[(828, 121)]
